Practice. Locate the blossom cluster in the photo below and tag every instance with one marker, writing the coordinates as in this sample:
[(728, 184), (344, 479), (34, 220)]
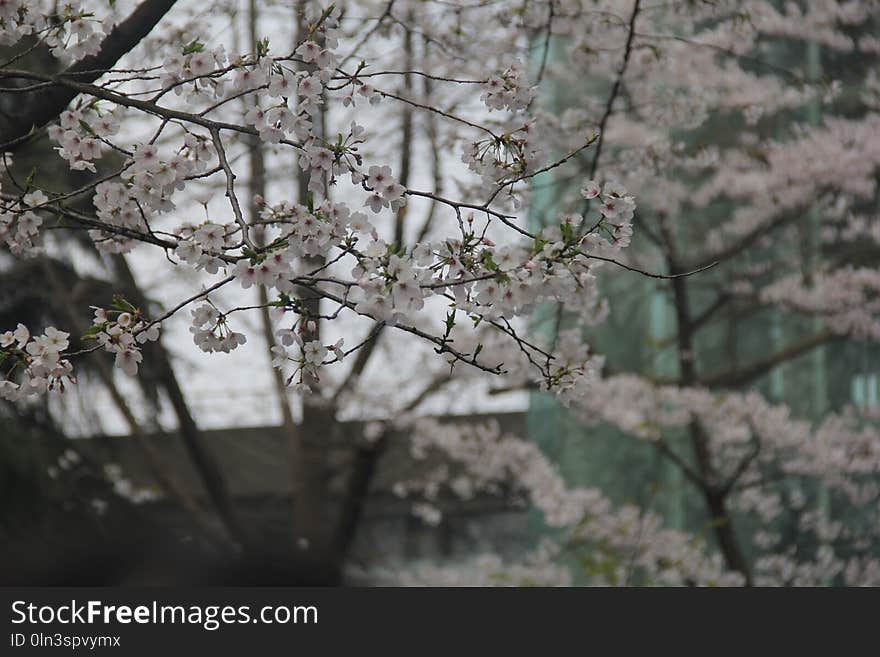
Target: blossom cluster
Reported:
[(748, 438), (71, 32), (484, 459), (505, 159), (33, 364), (211, 332), (847, 299), (80, 142), (509, 90), (20, 223), (121, 330), (148, 183)]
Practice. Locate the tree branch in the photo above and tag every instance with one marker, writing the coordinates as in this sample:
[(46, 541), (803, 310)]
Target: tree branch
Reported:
[(742, 375)]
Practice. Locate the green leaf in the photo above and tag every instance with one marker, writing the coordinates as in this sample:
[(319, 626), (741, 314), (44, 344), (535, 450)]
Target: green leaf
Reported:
[(567, 231), (262, 47), (92, 332), (450, 321), (488, 261), (280, 243), (193, 46), (119, 303), (85, 126)]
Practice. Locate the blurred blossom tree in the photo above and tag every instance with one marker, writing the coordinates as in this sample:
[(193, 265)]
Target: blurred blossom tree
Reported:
[(346, 220)]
